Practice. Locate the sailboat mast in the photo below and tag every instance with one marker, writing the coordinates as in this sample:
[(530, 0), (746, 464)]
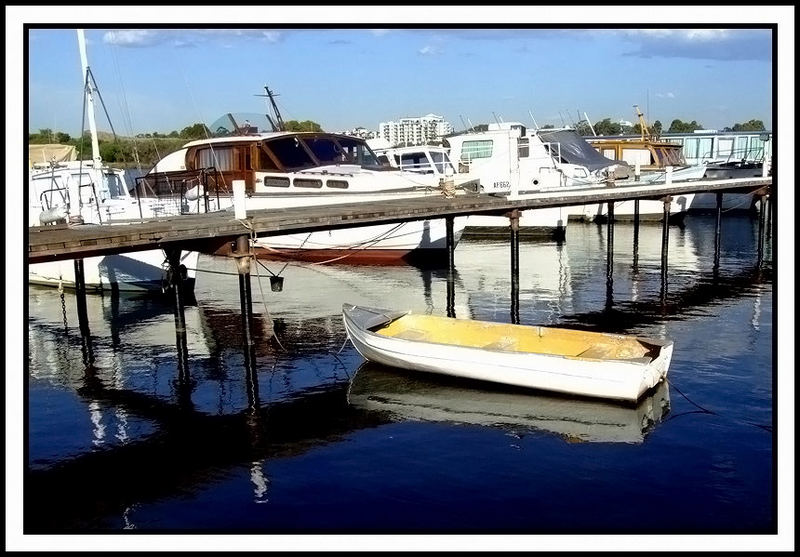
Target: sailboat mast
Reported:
[(89, 98)]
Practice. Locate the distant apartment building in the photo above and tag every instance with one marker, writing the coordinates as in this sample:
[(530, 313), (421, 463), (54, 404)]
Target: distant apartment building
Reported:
[(414, 131)]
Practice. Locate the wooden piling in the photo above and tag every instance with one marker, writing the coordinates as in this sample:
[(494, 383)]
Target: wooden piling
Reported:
[(665, 248), (243, 258), (513, 217), (451, 266), (176, 285), (717, 233)]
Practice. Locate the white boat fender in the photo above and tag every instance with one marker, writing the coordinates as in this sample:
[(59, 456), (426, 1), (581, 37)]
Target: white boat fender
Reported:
[(53, 214), (195, 193)]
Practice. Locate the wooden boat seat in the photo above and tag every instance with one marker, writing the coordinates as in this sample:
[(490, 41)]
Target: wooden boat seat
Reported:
[(412, 334), (597, 352)]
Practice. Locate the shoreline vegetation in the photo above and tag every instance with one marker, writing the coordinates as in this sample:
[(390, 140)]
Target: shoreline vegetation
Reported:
[(149, 148)]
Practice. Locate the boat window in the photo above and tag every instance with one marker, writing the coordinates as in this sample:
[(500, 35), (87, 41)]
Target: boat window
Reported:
[(642, 156), (326, 150), (609, 153), (357, 151), (706, 146), (756, 151), (338, 184), (383, 159), (307, 183), (741, 147), (276, 182), (115, 186), (476, 149), (290, 152), (220, 158), (415, 162), (725, 146), (442, 162), (523, 148), (690, 148)]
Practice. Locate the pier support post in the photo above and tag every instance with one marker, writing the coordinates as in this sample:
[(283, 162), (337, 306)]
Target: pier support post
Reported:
[(243, 258), (768, 201), (635, 235), (176, 284), (513, 217), (610, 256), (761, 219), (717, 234), (665, 248), (451, 266), (83, 314)]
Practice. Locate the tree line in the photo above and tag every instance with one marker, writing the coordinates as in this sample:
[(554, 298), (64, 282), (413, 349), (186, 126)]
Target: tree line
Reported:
[(608, 127)]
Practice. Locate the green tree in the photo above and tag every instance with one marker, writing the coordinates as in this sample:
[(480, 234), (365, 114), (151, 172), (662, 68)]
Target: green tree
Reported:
[(679, 126), (607, 127), (583, 128), (749, 126), (304, 126), (62, 137), (195, 131)]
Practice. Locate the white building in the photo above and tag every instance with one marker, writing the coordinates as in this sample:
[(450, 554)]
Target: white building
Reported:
[(361, 132), (414, 131)]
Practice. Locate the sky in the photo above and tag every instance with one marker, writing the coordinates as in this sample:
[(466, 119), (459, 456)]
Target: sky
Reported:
[(155, 79)]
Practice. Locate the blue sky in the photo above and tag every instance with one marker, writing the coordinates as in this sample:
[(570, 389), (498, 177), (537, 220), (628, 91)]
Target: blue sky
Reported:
[(158, 79)]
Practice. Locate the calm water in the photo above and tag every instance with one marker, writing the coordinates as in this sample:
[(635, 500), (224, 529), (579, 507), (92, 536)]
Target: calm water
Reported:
[(322, 443)]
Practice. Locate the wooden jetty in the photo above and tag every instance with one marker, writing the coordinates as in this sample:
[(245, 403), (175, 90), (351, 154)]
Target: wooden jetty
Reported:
[(208, 232)]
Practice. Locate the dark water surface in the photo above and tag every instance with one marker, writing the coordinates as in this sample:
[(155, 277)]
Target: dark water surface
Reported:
[(321, 443)]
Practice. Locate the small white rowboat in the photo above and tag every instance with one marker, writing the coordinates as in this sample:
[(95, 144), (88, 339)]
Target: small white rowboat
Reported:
[(561, 360)]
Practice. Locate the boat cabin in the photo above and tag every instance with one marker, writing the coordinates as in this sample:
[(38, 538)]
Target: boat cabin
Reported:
[(263, 160), (650, 155)]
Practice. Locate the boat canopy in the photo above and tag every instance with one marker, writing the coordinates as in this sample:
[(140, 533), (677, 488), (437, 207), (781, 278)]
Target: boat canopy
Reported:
[(576, 150)]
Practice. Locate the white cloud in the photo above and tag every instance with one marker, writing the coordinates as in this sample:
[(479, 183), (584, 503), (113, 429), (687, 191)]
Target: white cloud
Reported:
[(668, 95), (185, 37), (429, 50)]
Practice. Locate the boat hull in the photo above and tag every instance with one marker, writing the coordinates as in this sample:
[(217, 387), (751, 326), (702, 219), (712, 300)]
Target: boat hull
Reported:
[(650, 210), (386, 244), (143, 271), (622, 380), (549, 222)]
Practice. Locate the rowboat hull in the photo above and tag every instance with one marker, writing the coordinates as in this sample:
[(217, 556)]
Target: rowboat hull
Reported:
[(619, 379)]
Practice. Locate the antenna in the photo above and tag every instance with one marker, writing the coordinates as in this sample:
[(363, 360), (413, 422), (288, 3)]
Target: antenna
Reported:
[(535, 125), (563, 124), (495, 118), (471, 127), (591, 127), (277, 124)]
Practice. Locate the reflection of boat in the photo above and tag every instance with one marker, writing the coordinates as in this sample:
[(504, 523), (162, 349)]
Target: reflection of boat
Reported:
[(281, 169), (318, 291), (86, 193), (563, 360), (418, 397)]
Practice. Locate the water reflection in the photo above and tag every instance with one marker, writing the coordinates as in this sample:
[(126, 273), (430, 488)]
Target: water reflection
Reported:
[(413, 396)]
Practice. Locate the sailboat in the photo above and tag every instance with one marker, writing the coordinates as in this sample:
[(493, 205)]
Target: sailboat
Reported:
[(89, 192)]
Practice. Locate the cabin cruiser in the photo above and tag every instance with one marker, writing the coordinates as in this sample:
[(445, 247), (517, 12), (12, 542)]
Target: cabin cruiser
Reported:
[(283, 169)]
